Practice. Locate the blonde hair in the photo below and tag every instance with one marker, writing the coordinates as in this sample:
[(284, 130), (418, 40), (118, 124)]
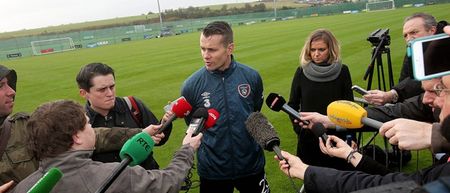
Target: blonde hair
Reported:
[(329, 39)]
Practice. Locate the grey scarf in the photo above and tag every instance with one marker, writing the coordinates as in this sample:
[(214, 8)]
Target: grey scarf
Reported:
[(322, 72)]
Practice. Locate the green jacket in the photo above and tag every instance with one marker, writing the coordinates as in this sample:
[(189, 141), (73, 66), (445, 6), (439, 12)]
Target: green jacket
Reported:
[(17, 161)]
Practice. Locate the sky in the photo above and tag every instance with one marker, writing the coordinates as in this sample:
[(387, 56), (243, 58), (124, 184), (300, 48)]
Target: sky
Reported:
[(30, 14)]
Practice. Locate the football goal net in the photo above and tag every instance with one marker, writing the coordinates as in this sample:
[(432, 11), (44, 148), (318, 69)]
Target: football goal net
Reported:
[(380, 5), (48, 46)]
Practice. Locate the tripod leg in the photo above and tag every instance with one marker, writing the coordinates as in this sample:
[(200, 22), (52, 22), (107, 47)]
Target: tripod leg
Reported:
[(391, 76), (380, 72)]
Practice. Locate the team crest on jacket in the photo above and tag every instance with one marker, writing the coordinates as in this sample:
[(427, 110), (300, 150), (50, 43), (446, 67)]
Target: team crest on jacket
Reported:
[(244, 90)]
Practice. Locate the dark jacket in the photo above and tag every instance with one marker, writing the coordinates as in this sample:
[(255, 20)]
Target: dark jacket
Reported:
[(17, 162), (407, 86), (81, 174), (411, 108), (120, 116), (319, 179), (312, 96), (227, 150)]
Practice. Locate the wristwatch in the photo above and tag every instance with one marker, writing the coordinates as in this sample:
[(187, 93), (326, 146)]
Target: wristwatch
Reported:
[(394, 95)]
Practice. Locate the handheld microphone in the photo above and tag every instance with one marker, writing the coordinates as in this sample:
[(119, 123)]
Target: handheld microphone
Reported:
[(133, 152), (276, 102), (180, 108), (264, 133), (213, 115), (319, 131), (350, 115), (210, 121), (47, 182), (197, 124)]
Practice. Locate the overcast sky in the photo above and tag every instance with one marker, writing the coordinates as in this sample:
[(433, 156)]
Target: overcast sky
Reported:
[(29, 14)]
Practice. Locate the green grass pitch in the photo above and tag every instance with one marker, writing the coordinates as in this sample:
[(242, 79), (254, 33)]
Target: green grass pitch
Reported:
[(154, 70)]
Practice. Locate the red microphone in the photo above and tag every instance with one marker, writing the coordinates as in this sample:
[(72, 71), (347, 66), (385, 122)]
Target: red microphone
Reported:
[(180, 109), (213, 115)]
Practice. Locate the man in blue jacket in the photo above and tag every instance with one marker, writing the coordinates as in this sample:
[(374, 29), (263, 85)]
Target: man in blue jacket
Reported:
[(228, 157)]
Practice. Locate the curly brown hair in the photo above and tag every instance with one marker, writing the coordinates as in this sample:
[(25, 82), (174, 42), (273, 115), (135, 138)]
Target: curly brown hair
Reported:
[(52, 125)]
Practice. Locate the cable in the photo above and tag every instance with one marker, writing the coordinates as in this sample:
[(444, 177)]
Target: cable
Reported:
[(292, 181), (188, 182)]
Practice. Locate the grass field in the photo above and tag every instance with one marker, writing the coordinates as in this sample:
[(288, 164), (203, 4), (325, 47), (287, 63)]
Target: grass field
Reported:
[(154, 70)]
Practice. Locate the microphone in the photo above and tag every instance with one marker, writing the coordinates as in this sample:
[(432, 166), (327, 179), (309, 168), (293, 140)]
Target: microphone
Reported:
[(213, 115), (319, 131), (47, 182), (133, 152), (203, 119), (350, 115), (180, 108), (264, 133), (276, 102)]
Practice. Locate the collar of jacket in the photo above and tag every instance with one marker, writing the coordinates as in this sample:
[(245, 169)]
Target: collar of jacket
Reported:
[(118, 107), (67, 161), (227, 72)]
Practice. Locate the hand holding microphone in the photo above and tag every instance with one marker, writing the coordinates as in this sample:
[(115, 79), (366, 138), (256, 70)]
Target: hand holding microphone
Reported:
[(340, 148), (193, 141), (179, 108), (291, 165), (408, 134)]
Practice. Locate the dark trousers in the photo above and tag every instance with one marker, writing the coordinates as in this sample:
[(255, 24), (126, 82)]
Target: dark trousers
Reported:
[(249, 184)]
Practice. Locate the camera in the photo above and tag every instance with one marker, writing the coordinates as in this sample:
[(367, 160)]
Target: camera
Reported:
[(380, 35)]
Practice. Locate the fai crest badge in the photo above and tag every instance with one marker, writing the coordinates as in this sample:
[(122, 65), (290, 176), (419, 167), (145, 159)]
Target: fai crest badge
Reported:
[(244, 90)]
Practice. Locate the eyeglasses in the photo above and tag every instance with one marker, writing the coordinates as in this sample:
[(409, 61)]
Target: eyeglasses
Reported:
[(439, 88)]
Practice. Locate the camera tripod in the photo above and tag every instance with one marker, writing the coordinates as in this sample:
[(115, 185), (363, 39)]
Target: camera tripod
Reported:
[(377, 52)]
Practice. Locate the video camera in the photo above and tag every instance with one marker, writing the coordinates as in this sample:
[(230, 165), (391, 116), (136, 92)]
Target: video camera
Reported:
[(378, 35)]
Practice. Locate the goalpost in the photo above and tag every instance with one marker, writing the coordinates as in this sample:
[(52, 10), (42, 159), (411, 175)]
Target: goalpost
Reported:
[(380, 5), (48, 46)]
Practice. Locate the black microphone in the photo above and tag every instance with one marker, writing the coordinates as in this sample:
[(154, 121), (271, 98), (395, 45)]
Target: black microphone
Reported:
[(276, 102), (198, 120), (319, 131), (263, 132)]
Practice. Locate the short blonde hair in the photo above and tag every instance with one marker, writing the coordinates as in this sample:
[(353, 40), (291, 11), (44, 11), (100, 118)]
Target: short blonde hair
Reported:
[(329, 39)]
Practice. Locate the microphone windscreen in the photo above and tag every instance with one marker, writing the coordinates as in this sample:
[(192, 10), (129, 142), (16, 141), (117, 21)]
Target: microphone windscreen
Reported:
[(275, 101), (213, 115), (346, 114), (47, 182), (318, 129), (138, 148), (181, 107), (262, 131)]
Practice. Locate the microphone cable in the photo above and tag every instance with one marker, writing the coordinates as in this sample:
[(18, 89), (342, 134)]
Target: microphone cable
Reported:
[(294, 186), (188, 182)]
